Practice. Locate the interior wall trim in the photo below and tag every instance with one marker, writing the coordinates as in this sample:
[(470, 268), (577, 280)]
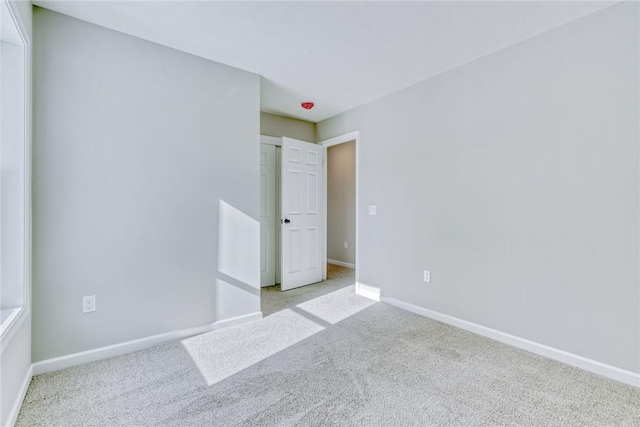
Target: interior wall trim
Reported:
[(15, 410), (612, 372), (67, 361)]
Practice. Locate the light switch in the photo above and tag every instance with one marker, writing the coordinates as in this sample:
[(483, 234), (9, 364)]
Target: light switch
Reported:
[(372, 209)]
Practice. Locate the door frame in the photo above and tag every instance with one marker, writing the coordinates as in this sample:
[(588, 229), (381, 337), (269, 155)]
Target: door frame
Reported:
[(271, 140), (277, 142), (341, 139), (268, 225)]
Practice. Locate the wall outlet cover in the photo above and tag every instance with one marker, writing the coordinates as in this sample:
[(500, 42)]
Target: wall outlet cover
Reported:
[(89, 304)]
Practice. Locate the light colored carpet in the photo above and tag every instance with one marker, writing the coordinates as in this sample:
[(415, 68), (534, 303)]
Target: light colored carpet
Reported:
[(273, 299), (325, 356)]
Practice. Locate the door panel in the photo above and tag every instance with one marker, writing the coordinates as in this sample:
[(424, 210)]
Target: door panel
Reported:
[(301, 205), (294, 192), (312, 193), (267, 215), (294, 250), (312, 247)]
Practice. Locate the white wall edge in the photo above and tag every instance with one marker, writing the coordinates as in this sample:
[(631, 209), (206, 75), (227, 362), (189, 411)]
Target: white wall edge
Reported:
[(368, 291), (62, 362), (590, 365), (15, 410), (341, 264), (347, 137)]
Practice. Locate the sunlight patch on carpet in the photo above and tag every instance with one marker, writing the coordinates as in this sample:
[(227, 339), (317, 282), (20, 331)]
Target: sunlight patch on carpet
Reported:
[(333, 310), (254, 342)]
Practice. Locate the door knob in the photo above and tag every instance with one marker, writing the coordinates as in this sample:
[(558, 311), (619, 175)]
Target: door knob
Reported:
[(287, 221)]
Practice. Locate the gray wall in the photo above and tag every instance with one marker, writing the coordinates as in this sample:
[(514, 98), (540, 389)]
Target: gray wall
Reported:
[(279, 126), (15, 359), (145, 188), (514, 179), (341, 202)]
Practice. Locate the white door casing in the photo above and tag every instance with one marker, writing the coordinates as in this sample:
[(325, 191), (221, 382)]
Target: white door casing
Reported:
[(302, 213), (267, 215), (278, 216)]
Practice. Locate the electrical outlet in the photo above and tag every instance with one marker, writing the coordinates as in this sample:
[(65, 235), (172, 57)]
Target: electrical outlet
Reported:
[(427, 276), (372, 209), (346, 245), (89, 304)]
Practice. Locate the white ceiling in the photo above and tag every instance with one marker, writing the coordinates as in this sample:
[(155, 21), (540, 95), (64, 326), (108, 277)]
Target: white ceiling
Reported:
[(337, 54)]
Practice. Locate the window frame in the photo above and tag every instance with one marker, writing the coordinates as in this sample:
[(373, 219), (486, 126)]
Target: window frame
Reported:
[(14, 320)]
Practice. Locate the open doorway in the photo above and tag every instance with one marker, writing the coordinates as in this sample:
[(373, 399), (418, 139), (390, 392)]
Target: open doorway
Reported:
[(341, 204), (337, 203), (292, 220), (342, 189)]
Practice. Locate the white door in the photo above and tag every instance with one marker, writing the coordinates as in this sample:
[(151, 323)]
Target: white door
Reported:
[(301, 214), (267, 215)]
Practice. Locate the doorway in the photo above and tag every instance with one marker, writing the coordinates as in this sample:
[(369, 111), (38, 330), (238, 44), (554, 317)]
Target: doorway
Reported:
[(340, 228), (349, 156), (341, 204), (291, 220)]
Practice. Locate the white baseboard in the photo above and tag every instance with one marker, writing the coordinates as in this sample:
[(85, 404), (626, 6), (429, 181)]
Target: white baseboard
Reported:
[(62, 362), (341, 264), (624, 376), (368, 291), (15, 410)]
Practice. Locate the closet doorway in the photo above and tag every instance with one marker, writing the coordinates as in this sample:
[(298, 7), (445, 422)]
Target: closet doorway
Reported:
[(292, 212)]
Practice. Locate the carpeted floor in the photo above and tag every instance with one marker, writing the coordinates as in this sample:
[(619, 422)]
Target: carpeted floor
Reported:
[(325, 356)]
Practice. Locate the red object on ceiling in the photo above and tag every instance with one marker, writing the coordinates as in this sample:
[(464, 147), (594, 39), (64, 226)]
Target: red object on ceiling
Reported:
[(307, 105)]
